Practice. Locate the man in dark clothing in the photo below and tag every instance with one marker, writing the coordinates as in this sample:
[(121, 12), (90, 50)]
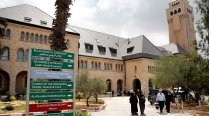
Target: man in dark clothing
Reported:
[(168, 101), (133, 100), (142, 100)]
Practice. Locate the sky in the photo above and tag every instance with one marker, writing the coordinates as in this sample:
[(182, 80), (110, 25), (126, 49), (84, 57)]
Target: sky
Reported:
[(124, 18)]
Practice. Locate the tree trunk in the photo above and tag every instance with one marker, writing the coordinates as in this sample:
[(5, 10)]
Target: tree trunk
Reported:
[(87, 101), (96, 96)]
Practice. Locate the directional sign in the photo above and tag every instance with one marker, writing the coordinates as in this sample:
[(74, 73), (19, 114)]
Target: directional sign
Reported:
[(51, 95), (57, 114), (52, 54), (51, 64), (55, 106), (43, 74), (51, 85)]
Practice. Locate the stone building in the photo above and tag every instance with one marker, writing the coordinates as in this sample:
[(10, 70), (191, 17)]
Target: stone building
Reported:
[(125, 64)]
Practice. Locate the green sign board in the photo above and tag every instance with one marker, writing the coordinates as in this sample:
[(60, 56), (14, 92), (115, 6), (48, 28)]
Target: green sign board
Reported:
[(52, 64), (51, 85), (57, 114), (51, 95), (52, 54)]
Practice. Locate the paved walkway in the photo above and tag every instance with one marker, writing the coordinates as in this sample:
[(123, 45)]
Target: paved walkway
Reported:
[(119, 106)]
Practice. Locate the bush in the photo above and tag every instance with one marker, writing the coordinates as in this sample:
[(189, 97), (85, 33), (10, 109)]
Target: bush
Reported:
[(12, 98), (93, 101), (79, 95), (208, 101), (82, 114), (9, 107)]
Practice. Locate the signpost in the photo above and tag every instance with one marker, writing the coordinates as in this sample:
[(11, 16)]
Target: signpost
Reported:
[(51, 85), (50, 90), (51, 74), (55, 106), (51, 95)]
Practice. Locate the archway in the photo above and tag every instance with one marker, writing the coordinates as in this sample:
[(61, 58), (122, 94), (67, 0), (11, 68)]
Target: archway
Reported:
[(4, 82), (136, 84), (119, 85), (21, 82), (109, 86)]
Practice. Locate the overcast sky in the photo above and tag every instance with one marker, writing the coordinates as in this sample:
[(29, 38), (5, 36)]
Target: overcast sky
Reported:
[(124, 18)]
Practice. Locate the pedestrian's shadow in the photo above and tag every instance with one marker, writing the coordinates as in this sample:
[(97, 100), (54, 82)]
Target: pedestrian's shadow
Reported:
[(139, 115)]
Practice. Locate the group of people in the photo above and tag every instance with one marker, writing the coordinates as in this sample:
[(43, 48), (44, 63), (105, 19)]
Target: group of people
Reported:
[(137, 97), (161, 99)]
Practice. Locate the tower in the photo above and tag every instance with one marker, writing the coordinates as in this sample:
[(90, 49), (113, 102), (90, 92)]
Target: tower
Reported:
[(180, 18)]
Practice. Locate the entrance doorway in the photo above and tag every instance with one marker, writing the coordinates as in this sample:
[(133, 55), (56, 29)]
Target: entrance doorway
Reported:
[(136, 84), (119, 85)]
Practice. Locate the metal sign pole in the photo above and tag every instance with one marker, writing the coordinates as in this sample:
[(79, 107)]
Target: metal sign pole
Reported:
[(74, 86), (28, 84)]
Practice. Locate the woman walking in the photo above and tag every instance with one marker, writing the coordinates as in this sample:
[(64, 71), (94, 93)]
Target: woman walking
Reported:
[(142, 100), (133, 100), (168, 101)]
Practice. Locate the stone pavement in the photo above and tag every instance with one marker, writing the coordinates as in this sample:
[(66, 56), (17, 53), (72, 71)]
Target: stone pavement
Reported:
[(119, 106)]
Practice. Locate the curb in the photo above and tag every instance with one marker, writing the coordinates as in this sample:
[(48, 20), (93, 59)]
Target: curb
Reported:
[(20, 114)]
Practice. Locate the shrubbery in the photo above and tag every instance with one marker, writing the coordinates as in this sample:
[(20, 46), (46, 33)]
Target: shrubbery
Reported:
[(9, 107), (10, 97), (82, 114)]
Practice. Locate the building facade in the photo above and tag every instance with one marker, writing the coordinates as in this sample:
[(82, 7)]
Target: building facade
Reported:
[(180, 16), (125, 64)]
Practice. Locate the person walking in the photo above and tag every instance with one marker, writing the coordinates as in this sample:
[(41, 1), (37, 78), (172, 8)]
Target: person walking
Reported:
[(168, 101), (161, 100), (133, 101), (142, 100)]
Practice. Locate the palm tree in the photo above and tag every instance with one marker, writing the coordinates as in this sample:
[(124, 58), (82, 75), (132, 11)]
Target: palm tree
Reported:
[(3, 25), (59, 25)]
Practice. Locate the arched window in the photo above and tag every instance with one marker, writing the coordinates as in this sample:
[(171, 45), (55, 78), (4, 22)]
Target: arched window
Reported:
[(36, 38), (5, 54), (45, 39), (171, 13), (27, 37), (22, 36), (175, 11), (135, 69), (27, 54), (31, 37), (41, 38), (20, 54), (179, 10), (8, 32)]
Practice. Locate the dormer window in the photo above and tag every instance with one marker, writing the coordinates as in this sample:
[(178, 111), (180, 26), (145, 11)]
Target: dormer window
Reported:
[(43, 22), (89, 47), (113, 51), (27, 19), (101, 49), (130, 49)]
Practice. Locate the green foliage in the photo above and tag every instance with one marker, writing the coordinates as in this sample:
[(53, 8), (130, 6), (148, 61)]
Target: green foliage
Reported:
[(79, 95), (82, 114), (12, 98), (89, 86), (184, 71), (93, 101), (203, 25), (9, 107)]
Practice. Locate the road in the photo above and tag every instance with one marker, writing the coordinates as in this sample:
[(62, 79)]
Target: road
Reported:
[(119, 106)]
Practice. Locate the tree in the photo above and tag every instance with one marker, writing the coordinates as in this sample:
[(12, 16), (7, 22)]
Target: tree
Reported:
[(182, 71), (99, 87), (59, 25), (203, 25), (85, 85), (3, 25), (89, 86)]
